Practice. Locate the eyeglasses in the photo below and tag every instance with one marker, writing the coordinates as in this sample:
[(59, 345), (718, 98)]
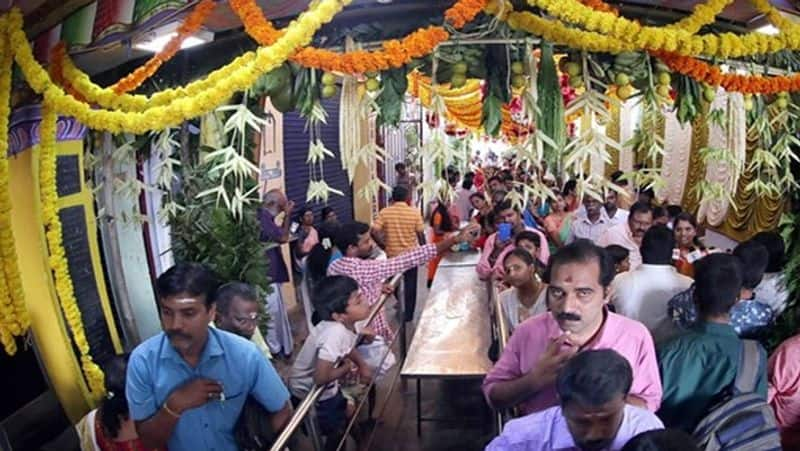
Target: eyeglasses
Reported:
[(252, 318)]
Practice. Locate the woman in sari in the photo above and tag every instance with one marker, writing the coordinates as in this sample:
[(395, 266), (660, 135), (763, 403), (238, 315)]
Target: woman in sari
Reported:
[(442, 223), (690, 248)]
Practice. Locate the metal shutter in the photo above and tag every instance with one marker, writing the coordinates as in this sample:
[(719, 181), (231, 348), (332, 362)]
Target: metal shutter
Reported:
[(295, 152)]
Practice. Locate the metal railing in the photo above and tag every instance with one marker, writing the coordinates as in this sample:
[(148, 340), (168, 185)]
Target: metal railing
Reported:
[(502, 337), (311, 398)]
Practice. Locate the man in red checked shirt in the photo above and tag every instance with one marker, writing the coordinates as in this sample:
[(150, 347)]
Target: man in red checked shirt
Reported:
[(355, 243)]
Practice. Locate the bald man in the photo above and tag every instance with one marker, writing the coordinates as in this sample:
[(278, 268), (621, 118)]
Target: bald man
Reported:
[(279, 336)]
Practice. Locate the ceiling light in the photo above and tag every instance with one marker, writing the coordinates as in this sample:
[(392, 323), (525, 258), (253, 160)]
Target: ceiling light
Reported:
[(768, 29), (155, 40)]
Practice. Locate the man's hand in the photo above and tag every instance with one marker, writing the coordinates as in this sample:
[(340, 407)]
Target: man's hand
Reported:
[(469, 233), (193, 394), (387, 289), (367, 335), (554, 358), (289, 207)]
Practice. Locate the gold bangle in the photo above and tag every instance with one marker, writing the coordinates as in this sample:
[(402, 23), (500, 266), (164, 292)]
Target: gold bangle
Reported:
[(169, 411)]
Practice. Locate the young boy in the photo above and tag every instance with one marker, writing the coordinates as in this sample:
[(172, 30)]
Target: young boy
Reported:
[(339, 305)]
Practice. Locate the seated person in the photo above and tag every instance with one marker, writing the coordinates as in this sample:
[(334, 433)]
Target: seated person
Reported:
[(593, 413), (527, 295), (620, 256), (497, 245), (749, 317), (784, 390), (699, 365), (662, 440), (340, 305), (578, 276), (109, 427)]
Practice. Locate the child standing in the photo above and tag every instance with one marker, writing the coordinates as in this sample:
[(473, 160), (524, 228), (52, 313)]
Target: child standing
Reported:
[(339, 305)]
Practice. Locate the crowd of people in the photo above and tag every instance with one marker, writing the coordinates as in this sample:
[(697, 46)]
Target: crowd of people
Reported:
[(633, 282), (627, 331)]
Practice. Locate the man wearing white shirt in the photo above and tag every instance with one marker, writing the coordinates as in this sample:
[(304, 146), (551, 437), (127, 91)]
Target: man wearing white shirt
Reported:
[(615, 214), (589, 224), (643, 294), (629, 234)]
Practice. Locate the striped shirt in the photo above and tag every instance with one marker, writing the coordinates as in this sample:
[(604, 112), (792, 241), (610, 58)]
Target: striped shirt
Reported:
[(400, 223)]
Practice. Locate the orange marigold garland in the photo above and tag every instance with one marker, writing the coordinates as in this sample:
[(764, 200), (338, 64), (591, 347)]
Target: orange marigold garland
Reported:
[(464, 11), (56, 69), (189, 27), (706, 73), (394, 53)]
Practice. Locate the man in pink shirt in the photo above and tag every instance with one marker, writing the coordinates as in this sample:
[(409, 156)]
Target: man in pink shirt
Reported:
[(356, 245), (630, 233), (495, 250), (578, 275), (783, 392)]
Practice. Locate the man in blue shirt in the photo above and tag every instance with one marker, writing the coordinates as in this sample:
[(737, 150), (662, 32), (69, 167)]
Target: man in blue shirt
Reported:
[(186, 386)]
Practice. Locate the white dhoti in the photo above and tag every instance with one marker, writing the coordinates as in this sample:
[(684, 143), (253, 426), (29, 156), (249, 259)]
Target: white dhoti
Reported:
[(279, 335)]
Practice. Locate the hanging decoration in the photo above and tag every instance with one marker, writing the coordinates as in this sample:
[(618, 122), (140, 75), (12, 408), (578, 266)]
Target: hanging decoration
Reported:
[(14, 320), (724, 45), (394, 53), (244, 73), (462, 106), (58, 261), (189, 27)]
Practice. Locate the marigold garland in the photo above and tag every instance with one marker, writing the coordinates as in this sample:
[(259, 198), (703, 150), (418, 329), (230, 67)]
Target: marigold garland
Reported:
[(243, 72), (14, 320), (58, 261), (724, 45), (463, 106), (189, 27), (712, 75), (395, 53), (56, 70), (418, 44)]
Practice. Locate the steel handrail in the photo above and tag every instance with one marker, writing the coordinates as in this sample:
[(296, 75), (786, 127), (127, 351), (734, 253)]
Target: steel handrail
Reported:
[(502, 332), (313, 395)]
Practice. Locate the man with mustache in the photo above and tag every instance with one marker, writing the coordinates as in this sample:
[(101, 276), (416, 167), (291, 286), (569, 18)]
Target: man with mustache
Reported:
[(630, 233), (592, 414), (186, 386), (578, 276)]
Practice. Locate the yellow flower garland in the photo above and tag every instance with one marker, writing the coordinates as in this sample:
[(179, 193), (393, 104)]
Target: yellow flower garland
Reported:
[(58, 260), (186, 104), (555, 31), (14, 319), (703, 14), (682, 42)]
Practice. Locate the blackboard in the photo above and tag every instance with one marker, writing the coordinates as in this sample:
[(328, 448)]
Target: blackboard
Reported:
[(81, 270), (68, 175)]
